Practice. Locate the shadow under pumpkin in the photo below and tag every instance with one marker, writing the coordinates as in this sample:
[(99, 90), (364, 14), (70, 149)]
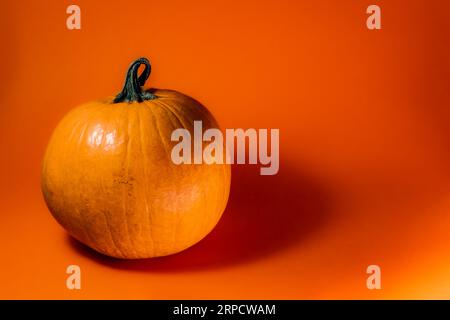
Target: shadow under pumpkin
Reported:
[(265, 214)]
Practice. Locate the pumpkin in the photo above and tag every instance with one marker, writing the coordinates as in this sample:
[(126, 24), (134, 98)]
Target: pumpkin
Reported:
[(108, 178)]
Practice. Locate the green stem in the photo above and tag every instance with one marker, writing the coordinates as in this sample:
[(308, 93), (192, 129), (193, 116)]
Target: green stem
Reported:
[(132, 91)]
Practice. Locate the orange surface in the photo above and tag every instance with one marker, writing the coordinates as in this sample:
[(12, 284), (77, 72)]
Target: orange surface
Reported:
[(364, 137)]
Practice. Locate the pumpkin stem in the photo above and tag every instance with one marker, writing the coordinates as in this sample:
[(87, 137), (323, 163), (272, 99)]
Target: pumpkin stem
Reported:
[(132, 89)]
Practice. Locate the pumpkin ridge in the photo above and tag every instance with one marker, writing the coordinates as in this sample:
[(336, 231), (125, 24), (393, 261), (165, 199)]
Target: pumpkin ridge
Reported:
[(203, 224), (124, 191), (105, 214), (81, 213), (164, 144), (170, 112), (185, 111), (171, 117), (167, 108), (144, 169), (180, 114), (222, 203), (108, 227), (157, 128), (187, 108), (112, 240)]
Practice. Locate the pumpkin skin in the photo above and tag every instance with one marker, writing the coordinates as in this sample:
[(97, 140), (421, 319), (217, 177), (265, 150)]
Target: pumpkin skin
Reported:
[(108, 177)]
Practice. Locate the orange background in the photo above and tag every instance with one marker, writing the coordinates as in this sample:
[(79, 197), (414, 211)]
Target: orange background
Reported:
[(364, 137)]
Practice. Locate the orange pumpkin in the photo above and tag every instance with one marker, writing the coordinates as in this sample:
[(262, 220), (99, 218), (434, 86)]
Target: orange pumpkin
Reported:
[(108, 177)]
